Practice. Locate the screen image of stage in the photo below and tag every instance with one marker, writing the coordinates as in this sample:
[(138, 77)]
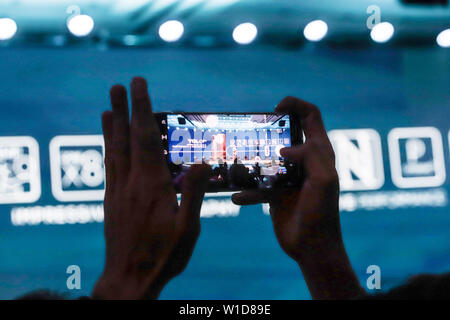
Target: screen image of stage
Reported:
[(220, 138), (243, 150)]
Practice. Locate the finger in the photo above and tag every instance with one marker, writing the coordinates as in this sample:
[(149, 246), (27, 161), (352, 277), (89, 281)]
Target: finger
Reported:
[(194, 187), (307, 113), (146, 144), (295, 154), (315, 164), (121, 137), (250, 197), (107, 127)]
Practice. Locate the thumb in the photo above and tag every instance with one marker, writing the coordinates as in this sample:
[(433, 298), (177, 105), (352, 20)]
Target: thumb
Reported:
[(295, 154), (193, 190)]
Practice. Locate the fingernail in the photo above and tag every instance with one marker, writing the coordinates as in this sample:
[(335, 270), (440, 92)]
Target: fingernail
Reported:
[(117, 91), (139, 83), (235, 198)]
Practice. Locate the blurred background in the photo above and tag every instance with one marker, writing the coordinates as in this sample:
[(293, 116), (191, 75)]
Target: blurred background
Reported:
[(379, 71)]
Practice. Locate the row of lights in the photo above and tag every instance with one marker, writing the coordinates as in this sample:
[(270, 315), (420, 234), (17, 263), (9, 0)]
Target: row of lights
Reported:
[(172, 30)]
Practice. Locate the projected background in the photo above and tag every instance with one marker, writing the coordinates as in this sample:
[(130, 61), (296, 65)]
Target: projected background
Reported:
[(394, 201)]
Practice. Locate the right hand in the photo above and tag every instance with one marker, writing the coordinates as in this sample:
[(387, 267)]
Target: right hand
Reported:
[(305, 220)]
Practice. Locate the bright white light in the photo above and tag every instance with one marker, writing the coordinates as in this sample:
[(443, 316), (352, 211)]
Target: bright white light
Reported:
[(245, 33), (443, 39), (8, 28), (212, 121), (171, 30), (382, 32), (315, 30), (80, 25)]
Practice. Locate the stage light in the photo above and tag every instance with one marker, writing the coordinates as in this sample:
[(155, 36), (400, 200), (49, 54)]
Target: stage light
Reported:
[(80, 25), (245, 33), (443, 38), (315, 30), (8, 28), (382, 32), (171, 30)]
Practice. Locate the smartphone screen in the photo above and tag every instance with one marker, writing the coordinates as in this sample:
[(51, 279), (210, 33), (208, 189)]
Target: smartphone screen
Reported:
[(242, 149)]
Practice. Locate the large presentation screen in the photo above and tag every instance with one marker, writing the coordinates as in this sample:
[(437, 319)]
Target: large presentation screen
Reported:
[(385, 111)]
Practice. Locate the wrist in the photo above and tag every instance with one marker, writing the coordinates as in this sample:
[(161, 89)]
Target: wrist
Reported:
[(329, 274), (110, 287), (324, 251)]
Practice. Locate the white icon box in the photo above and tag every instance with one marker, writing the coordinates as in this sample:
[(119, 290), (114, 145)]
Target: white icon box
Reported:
[(416, 157), (77, 168), (20, 178), (359, 159)]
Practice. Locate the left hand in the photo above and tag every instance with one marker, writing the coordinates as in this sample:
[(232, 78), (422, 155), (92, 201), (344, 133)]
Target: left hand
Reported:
[(149, 237)]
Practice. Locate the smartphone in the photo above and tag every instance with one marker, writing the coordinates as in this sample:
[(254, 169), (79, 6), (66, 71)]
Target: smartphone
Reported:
[(243, 149)]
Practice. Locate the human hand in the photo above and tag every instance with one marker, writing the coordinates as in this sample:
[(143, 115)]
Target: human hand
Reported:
[(149, 237), (306, 220)]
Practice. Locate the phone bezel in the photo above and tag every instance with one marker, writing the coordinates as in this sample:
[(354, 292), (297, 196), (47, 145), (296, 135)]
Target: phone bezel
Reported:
[(295, 128)]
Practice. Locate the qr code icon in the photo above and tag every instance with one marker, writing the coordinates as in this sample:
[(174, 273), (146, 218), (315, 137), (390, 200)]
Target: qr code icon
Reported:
[(20, 180), (77, 169)]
